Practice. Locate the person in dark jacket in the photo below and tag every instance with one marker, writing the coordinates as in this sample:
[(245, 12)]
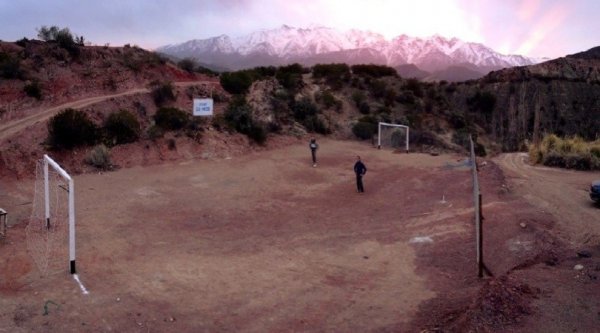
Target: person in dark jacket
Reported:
[(313, 150), (359, 169)]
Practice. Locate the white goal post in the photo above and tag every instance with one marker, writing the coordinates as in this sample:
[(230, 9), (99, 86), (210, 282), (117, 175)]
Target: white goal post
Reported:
[(48, 162), (383, 125)]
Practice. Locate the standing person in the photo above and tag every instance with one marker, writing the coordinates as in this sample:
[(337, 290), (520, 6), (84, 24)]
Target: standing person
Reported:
[(313, 150), (360, 170)]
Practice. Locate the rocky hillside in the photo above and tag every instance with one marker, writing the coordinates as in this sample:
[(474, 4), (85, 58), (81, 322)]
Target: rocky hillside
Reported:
[(558, 96), (35, 74)]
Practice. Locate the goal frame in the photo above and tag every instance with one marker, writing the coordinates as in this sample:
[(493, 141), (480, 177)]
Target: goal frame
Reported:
[(392, 125), (49, 162)]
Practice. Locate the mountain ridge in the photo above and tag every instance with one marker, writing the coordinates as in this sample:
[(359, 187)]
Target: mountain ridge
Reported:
[(288, 44)]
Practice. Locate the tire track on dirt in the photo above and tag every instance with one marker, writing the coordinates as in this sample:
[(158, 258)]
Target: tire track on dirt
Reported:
[(563, 193), (14, 127)]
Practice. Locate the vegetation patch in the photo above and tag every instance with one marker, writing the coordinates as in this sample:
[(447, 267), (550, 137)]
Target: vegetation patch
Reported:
[(163, 93), (375, 71), (171, 119), (121, 127), (570, 153), (71, 128), (33, 89), (239, 116), (99, 157)]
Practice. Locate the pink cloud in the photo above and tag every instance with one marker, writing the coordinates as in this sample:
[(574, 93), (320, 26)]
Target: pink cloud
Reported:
[(551, 20), (528, 9)]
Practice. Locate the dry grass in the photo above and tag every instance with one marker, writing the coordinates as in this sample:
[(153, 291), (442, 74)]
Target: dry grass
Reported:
[(570, 153)]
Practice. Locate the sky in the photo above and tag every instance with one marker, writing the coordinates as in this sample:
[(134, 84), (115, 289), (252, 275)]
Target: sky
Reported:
[(536, 28)]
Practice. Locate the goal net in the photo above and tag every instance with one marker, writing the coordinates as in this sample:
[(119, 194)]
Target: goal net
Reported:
[(393, 135), (51, 230)]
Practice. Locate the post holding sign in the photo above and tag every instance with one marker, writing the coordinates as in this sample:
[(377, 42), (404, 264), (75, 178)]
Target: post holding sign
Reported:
[(203, 107)]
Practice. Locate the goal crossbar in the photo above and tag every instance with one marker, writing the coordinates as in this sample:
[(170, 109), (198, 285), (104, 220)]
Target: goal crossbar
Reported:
[(49, 162), (391, 125)]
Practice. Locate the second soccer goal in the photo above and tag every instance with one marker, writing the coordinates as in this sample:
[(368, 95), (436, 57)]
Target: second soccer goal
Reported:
[(395, 136)]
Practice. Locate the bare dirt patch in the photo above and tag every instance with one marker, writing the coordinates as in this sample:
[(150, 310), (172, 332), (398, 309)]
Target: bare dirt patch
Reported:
[(264, 242)]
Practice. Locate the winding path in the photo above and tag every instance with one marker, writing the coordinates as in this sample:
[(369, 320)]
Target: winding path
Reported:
[(13, 127), (563, 193)]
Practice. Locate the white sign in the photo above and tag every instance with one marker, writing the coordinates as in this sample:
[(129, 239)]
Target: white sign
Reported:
[(203, 107)]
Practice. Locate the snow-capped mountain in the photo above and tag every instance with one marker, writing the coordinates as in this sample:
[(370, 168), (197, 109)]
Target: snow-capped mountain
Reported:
[(321, 44)]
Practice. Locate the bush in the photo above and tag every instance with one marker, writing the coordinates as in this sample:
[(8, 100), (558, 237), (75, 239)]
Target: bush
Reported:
[(375, 71), (187, 64), (34, 89), (364, 108), (364, 130), (290, 77), (333, 71), (238, 115), (71, 128), (334, 74), (155, 132), (10, 67), (171, 119), (415, 86), (63, 37), (99, 157), (236, 82), (304, 108), (163, 93), (358, 97), (122, 127), (570, 153), (329, 101)]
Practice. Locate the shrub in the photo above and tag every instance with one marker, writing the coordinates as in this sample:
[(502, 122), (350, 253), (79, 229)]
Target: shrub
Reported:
[(334, 74), (33, 89), (378, 88), (187, 64), (571, 153), (163, 93), (364, 130), (71, 128), (415, 86), (122, 127), (238, 115), (171, 119), (10, 67), (364, 108), (155, 132), (290, 77), (63, 37), (99, 157), (22, 42), (358, 97), (304, 108), (327, 99), (236, 82), (375, 71), (330, 71)]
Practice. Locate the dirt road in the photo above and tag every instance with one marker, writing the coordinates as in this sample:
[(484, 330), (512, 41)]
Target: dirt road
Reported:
[(11, 128), (562, 193)]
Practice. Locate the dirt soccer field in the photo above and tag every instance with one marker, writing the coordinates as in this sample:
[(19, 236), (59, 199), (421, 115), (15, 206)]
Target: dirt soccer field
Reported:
[(266, 243)]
